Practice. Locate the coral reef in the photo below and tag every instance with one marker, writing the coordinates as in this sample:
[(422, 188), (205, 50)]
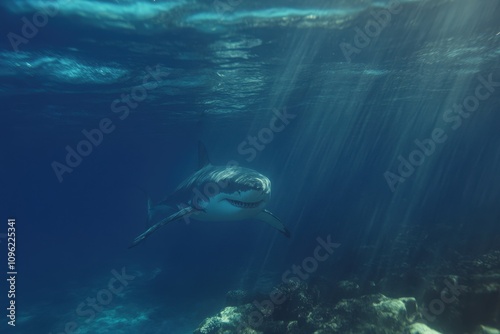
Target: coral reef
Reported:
[(464, 300)]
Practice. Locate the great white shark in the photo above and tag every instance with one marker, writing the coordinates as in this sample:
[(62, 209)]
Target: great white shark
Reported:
[(219, 193)]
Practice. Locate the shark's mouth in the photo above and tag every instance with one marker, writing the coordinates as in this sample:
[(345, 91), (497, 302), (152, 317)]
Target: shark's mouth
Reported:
[(246, 205)]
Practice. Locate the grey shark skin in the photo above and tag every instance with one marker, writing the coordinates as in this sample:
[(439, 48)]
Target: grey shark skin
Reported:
[(219, 193)]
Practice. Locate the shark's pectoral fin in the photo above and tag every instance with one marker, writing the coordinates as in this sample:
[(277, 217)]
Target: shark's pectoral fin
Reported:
[(176, 216), (268, 217)]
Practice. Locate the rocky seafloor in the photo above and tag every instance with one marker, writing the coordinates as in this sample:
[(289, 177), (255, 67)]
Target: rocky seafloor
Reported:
[(460, 296)]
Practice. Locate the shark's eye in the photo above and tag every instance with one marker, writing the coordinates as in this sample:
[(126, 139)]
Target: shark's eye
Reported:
[(256, 185)]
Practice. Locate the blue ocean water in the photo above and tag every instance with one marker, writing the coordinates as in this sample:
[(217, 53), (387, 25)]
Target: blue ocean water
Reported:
[(377, 123)]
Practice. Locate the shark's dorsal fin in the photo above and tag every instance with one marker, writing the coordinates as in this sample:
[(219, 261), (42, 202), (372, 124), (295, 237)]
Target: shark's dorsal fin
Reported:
[(203, 159)]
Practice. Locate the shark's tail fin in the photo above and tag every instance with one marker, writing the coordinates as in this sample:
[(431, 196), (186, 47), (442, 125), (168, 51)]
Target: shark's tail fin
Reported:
[(176, 216), (153, 213), (156, 211), (151, 210)]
